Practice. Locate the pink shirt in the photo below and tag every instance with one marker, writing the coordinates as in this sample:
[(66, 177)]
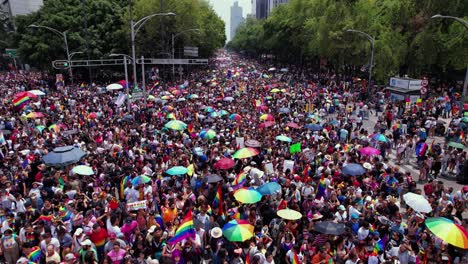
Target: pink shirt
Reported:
[(116, 257)]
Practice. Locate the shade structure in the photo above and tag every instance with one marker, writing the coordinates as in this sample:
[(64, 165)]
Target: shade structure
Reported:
[(37, 92), (269, 188), (35, 115), (448, 231), (267, 124), (267, 117), (244, 153), (417, 202), (252, 143), (177, 170), (63, 156), (369, 151), (213, 179), (176, 125), (236, 117), (207, 134), (330, 228), (247, 196), (314, 127), (289, 214), (353, 169), (283, 138), (114, 86), (238, 230), (224, 164), (140, 179), (456, 145), (379, 137), (83, 170), (293, 125)]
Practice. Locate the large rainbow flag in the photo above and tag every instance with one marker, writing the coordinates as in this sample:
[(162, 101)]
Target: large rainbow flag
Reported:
[(20, 101), (218, 200), (380, 245), (185, 230)]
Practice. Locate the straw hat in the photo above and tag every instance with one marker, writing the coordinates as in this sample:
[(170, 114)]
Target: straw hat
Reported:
[(216, 232)]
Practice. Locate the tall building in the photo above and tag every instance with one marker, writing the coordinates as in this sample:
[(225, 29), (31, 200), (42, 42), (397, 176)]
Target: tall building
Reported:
[(236, 18), (261, 9), (12, 8)]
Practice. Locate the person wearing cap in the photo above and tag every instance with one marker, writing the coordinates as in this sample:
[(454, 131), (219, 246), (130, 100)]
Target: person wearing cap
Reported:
[(87, 247), (69, 259), (341, 215), (77, 239)]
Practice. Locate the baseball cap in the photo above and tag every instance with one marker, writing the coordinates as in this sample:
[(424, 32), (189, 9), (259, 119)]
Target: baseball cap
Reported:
[(78, 231), (69, 257)]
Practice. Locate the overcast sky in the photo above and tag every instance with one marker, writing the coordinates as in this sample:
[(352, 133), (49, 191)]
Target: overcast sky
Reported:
[(223, 8)]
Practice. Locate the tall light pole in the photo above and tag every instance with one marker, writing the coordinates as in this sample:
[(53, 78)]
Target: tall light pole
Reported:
[(64, 36), (125, 56), (173, 51), (372, 40), (134, 28), (465, 84)]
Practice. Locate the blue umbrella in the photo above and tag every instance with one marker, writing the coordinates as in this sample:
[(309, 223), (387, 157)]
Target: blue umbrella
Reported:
[(63, 156), (177, 170), (314, 127), (353, 169), (284, 110), (269, 188)]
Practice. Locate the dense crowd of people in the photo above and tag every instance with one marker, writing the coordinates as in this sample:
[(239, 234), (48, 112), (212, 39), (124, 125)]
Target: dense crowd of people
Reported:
[(130, 208)]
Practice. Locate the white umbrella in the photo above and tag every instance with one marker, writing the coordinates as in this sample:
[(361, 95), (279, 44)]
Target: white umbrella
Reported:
[(272, 69), (417, 202), (37, 92), (114, 86), (83, 170)]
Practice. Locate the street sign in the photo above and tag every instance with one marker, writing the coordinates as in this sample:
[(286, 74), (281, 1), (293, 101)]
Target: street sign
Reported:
[(11, 52), (61, 64), (423, 90), (191, 51), (137, 94), (424, 82), (307, 94)]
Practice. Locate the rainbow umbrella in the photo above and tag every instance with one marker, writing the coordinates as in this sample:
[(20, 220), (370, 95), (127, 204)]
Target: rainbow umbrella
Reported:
[(35, 115), (247, 196), (176, 92), (166, 97), (56, 127), (176, 125), (236, 117), (83, 170), (141, 179), (207, 134), (289, 214), (284, 138), (244, 153), (267, 117), (23, 94), (35, 254), (177, 170), (275, 90), (168, 108), (171, 116), (379, 137), (40, 128), (369, 151), (448, 231), (238, 230)]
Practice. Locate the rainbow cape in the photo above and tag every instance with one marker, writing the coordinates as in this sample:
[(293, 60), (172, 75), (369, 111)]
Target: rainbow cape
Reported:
[(380, 245), (35, 254), (64, 214), (185, 230), (123, 184)]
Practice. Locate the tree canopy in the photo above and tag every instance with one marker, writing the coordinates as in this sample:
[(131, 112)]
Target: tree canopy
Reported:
[(407, 39), (108, 29)]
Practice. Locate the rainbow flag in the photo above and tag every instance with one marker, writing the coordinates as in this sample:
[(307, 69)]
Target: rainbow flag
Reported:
[(380, 245), (247, 259), (64, 214), (462, 137), (185, 230), (218, 200), (47, 218), (190, 128), (321, 188), (295, 259), (306, 172), (123, 184), (35, 255), (239, 181), (20, 101)]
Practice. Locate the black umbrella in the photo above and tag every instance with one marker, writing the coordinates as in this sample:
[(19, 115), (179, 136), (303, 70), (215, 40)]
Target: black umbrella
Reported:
[(63, 156), (330, 228)]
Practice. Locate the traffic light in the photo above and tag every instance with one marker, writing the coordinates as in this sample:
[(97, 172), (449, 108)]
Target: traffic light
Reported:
[(61, 64)]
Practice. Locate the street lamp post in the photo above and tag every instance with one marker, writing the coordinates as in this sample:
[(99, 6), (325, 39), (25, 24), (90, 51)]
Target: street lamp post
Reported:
[(133, 32), (372, 40), (465, 84), (64, 35), (125, 56), (173, 51)]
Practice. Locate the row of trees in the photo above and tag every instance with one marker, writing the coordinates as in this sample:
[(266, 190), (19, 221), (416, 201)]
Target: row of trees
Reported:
[(408, 41), (102, 27)]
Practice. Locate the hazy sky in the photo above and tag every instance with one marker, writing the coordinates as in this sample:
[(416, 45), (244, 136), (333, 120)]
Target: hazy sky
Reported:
[(223, 8)]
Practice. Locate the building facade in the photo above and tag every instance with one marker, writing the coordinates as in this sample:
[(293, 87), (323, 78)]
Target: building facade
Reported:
[(236, 18), (12, 8), (275, 3)]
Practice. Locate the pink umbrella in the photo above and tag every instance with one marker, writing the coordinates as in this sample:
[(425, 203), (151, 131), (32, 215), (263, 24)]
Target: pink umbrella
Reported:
[(224, 164), (293, 125), (267, 124), (369, 151)]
